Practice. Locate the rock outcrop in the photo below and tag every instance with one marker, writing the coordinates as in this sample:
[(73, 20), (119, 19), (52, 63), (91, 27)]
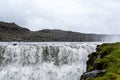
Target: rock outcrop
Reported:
[(104, 63), (92, 74)]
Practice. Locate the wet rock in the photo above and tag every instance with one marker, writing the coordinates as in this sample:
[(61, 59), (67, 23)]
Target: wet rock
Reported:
[(92, 74), (14, 44)]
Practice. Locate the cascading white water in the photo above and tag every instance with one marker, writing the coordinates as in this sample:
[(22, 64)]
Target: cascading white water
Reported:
[(44, 61)]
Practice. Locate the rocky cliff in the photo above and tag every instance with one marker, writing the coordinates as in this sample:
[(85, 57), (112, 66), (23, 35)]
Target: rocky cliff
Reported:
[(104, 64)]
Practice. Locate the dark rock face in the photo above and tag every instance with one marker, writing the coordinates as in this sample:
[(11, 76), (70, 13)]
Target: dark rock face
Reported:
[(92, 74), (106, 61), (94, 69), (13, 32)]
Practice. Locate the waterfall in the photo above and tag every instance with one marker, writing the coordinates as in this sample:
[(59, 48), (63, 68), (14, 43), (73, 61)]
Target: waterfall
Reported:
[(43, 61)]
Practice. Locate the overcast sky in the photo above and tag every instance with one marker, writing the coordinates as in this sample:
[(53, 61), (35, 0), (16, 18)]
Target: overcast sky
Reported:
[(86, 16)]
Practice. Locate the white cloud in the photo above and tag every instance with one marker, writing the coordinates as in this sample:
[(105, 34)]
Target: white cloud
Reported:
[(91, 16)]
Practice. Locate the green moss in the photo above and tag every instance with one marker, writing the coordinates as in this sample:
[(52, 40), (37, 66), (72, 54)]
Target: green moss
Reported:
[(109, 61)]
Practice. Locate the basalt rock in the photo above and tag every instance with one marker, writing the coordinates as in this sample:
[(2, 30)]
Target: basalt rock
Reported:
[(104, 63), (94, 69), (92, 74)]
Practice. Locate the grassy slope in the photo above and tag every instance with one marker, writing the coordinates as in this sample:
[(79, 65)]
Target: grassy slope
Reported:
[(110, 61)]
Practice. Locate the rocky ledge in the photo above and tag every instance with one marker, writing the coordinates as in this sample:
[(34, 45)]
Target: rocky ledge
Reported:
[(104, 64)]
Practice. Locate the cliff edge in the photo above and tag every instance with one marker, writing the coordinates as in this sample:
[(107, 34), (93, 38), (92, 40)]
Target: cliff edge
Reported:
[(104, 64)]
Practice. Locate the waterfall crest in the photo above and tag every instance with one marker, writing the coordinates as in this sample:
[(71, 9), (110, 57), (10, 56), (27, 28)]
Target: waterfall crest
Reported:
[(39, 61)]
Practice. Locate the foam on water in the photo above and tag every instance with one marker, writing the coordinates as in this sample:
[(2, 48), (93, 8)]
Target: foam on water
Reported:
[(44, 61)]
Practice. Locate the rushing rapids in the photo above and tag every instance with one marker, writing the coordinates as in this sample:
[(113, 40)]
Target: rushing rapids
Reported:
[(43, 61)]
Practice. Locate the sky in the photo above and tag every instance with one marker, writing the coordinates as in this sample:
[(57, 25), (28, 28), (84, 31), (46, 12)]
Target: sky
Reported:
[(86, 16)]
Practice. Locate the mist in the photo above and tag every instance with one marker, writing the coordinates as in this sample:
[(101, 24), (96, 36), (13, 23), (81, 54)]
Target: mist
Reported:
[(112, 38)]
